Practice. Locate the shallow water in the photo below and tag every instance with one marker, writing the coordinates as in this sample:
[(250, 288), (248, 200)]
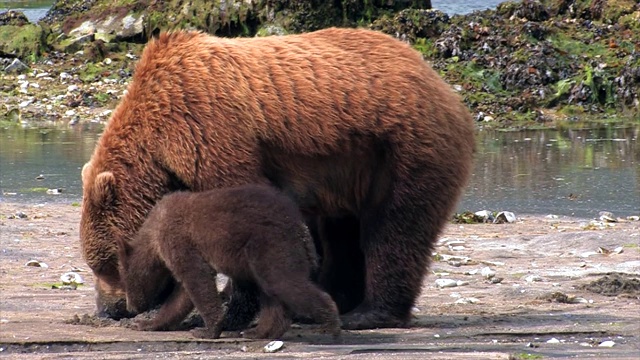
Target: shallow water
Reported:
[(567, 172), (33, 10), (36, 10)]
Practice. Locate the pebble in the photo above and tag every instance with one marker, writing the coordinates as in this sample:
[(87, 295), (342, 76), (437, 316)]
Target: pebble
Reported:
[(607, 343), (469, 300), (553, 341), (487, 272), (532, 278), (25, 103), (446, 283)]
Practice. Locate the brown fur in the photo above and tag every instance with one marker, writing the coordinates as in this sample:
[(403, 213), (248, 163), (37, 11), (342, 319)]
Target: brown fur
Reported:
[(367, 139), (251, 233)]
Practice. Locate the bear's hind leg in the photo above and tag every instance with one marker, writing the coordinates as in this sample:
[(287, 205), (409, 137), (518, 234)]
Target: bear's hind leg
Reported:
[(397, 242)]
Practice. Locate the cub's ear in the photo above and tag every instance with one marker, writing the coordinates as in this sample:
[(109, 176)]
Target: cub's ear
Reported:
[(85, 171), (104, 189)]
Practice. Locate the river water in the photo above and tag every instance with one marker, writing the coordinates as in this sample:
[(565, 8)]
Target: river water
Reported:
[(562, 172), (36, 10)]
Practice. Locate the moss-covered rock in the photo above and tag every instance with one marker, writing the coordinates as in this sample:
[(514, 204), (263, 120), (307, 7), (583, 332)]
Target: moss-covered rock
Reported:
[(607, 11), (137, 21), (412, 24), (528, 59), (23, 40)]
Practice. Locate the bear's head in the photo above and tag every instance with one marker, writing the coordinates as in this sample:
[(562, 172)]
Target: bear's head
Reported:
[(144, 276), (98, 236)]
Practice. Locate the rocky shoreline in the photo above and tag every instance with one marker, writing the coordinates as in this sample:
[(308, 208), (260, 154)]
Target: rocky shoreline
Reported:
[(523, 64)]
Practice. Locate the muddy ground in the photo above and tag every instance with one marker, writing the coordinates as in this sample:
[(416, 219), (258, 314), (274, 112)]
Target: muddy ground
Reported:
[(559, 290)]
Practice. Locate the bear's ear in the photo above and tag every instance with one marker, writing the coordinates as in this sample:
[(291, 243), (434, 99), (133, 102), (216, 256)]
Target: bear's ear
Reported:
[(104, 189), (124, 249), (85, 171)]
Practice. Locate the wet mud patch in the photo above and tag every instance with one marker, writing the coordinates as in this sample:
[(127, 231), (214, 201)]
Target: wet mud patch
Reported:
[(615, 284)]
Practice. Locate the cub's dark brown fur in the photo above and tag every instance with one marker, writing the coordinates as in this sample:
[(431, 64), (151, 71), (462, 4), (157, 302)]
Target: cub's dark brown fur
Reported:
[(251, 233)]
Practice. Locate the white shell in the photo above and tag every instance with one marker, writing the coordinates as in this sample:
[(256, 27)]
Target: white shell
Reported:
[(273, 346), (36, 263), (71, 278)]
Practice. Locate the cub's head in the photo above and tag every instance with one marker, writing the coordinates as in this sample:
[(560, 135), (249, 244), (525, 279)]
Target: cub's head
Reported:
[(144, 276)]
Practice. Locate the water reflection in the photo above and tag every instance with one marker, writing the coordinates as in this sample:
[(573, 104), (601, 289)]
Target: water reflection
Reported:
[(567, 172), (57, 155)]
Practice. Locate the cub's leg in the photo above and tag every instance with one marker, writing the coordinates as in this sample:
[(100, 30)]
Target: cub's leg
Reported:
[(171, 313), (198, 278), (273, 320), (243, 305)]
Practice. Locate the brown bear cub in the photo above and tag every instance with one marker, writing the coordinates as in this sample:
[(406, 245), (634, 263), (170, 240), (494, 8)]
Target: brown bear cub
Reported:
[(252, 234)]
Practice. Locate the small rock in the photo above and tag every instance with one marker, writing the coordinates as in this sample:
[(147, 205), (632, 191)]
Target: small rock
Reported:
[(445, 283), (54, 191), (532, 278), (487, 272), (551, 216), (16, 66), (607, 343), (633, 218), (73, 88), (505, 217), (18, 215), (273, 346), (607, 216), (65, 76), (40, 177), (107, 61), (70, 112), (553, 341), (25, 103), (469, 300)]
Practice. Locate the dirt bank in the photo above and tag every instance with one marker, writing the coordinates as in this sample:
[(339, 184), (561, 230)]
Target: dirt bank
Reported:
[(535, 300)]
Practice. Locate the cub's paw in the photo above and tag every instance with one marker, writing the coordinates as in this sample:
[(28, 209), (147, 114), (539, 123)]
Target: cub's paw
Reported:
[(254, 334), (205, 333), (145, 325)]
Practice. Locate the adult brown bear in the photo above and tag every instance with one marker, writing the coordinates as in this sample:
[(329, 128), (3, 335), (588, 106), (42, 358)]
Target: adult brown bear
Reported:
[(368, 140)]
